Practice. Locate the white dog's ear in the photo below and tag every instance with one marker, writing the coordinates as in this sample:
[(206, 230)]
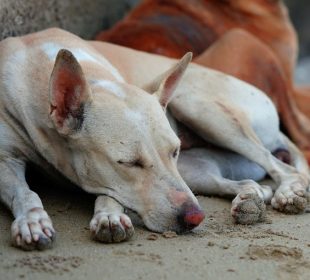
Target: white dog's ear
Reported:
[(68, 93), (164, 85)]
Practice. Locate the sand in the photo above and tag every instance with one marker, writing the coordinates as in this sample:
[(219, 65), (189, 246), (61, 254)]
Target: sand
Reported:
[(218, 249)]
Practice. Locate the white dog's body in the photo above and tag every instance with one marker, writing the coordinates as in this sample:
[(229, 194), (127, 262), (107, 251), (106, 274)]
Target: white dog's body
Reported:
[(88, 117)]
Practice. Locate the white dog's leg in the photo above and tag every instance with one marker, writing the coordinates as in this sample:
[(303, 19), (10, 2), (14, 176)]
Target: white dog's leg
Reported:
[(109, 223), (227, 126), (32, 228), (203, 171), (291, 195)]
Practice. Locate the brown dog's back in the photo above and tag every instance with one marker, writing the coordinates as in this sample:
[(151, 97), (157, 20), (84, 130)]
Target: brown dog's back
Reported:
[(173, 27)]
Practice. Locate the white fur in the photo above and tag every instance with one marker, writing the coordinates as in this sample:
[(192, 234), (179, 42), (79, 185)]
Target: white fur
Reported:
[(51, 49), (124, 147), (111, 87), (135, 117), (97, 151)]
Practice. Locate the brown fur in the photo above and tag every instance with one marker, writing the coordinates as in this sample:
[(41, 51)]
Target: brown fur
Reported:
[(252, 40)]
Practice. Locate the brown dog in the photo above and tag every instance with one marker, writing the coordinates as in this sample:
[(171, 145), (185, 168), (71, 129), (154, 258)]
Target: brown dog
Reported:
[(252, 40)]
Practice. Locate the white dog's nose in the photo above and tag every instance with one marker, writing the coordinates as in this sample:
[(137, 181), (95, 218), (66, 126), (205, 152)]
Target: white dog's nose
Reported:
[(191, 216)]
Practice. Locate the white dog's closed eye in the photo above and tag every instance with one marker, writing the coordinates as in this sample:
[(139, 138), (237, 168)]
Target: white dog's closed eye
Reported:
[(175, 152), (132, 163)]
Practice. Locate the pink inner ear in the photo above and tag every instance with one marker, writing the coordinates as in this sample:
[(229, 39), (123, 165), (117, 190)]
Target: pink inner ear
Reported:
[(169, 87), (68, 86)]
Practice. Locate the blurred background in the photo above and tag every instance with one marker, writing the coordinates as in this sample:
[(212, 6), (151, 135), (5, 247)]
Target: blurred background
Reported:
[(300, 15)]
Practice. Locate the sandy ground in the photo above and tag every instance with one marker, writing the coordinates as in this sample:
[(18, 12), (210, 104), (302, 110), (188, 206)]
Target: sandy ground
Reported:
[(218, 249)]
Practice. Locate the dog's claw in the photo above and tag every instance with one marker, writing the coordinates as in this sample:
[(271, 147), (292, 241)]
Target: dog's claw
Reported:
[(110, 228), (29, 234), (248, 208)]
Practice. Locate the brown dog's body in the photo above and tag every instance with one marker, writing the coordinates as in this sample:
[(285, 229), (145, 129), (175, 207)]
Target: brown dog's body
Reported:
[(252, 40)]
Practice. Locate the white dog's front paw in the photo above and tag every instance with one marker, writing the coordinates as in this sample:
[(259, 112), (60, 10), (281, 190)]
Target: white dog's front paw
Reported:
[(291, 199), (34, 230), (111, 227), (248, 208)]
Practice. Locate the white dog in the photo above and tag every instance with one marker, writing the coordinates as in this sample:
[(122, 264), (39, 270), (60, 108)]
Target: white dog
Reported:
[(87, 114)]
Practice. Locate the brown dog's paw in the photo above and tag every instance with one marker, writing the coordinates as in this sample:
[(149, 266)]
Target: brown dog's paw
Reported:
[(33, 231), (248, 208), (109, 228)]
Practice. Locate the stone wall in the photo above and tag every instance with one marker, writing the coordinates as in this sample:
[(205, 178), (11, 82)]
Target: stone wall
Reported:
[(83, 17)]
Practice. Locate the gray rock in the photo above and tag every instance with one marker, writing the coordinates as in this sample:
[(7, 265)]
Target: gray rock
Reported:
[(82, 17)]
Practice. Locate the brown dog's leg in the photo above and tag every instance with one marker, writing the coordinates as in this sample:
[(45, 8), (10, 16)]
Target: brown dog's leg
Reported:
[(240, 54), (302, 96)]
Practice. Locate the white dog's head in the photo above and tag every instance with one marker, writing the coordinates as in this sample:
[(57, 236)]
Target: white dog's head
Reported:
[(122, 144)]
